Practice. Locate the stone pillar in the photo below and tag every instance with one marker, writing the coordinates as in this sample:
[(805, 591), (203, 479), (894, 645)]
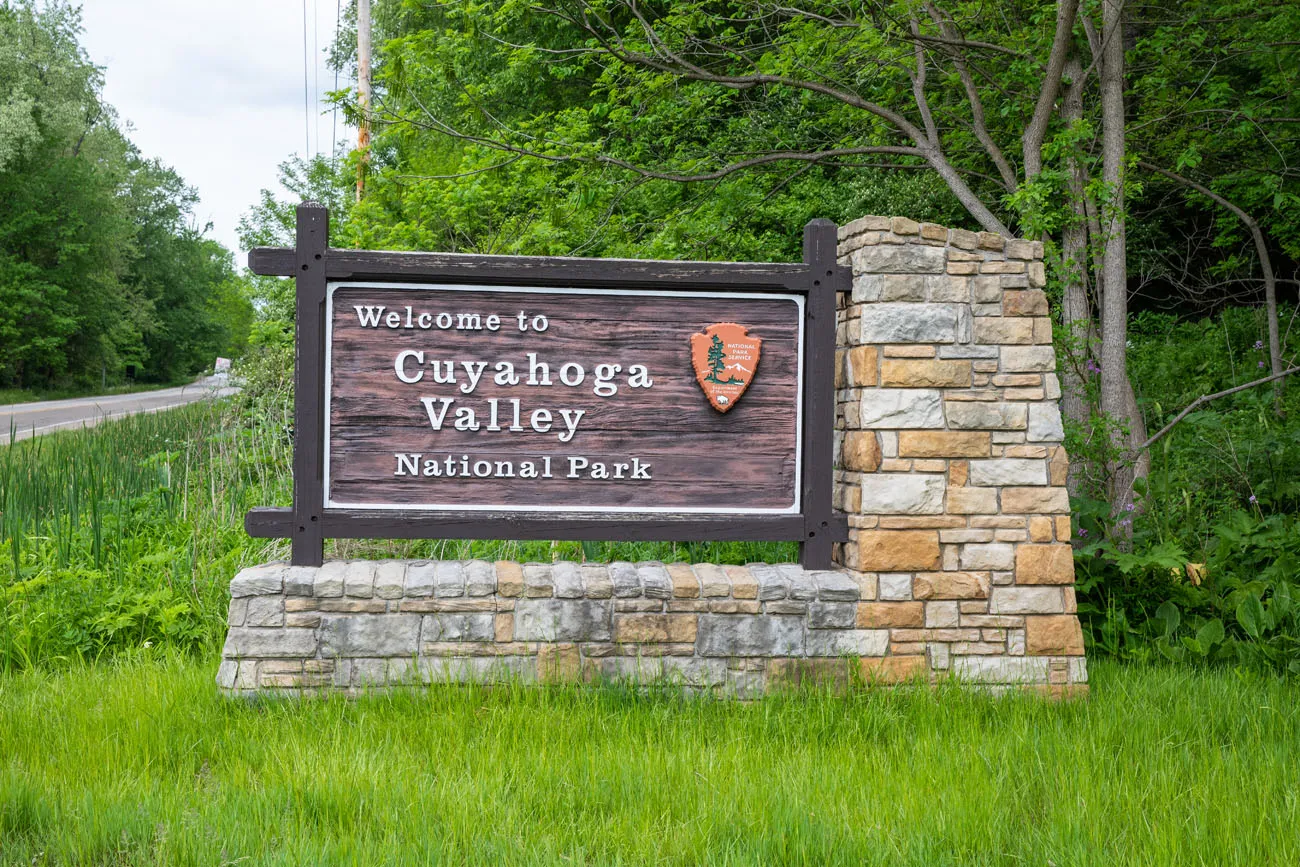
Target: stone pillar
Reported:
[(948, 453)]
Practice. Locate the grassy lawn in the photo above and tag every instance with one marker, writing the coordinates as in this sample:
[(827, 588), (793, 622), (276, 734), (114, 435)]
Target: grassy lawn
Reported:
[(140, 762)]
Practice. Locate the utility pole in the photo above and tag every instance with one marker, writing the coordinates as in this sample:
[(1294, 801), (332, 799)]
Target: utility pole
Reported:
[(363, 92)]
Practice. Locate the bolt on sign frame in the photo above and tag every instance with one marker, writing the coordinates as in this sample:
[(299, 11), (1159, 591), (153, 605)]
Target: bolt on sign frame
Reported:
[(316, 266)]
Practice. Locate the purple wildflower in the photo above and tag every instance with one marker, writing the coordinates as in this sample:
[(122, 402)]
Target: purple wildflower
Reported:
[(1259, 344), (1252, 499), (1261, 364), (1128, 507), (1083, 531)]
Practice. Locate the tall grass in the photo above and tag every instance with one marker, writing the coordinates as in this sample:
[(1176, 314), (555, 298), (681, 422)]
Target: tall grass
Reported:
[(141, 762), (127, 535)]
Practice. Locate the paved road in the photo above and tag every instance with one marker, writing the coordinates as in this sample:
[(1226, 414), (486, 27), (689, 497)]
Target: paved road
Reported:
[(34, 419)]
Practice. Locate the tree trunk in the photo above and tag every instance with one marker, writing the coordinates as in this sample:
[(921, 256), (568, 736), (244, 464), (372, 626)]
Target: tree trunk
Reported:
[(1117, 400), (1076, 311)]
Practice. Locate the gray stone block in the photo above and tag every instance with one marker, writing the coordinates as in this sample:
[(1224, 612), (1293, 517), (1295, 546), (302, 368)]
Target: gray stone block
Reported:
[(258, 581), (480, 578), (265, 611), (1026, 600), (271, 643), (625, 579), (904, 493), (1008, 471), (985, 415), (370, 635), (847, 642), (910, 408), (832, 615), (359, 579), (562, 620), (911, 323), (458, 627), (537, 580), (801, 588), (750, 635), (899, 259), (772, 583), (1045, 423), (419, 579), (299, 580), (568, 580), (448, 579), (329, 579), (836, 586), (655, 583), (390, 579), (1001, 669)]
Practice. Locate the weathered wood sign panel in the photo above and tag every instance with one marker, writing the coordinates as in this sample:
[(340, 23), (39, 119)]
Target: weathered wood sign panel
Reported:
[(453, 396)]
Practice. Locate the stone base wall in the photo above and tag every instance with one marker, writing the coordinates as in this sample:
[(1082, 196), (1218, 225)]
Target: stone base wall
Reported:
[(732, 630), (948, 453)]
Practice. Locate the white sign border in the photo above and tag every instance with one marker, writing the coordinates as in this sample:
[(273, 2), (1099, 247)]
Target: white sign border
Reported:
[(330, 503)]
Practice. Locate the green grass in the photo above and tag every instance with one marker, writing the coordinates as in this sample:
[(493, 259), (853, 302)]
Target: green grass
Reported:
[(30, 395), (141, 762)]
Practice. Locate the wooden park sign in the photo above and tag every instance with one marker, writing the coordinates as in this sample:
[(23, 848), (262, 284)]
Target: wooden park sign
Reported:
[(460, 396)]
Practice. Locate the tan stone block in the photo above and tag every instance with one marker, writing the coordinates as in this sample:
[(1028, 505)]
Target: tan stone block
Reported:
[(1026, 302), (825, 673), (1040, 529), (1063, 531), (894, 465), (660, 628), (302, 619), (951, 585), (353, 606), (904, 226), (929, 465), (840, 360), (963, 268), (958, 473), (898, 550), (925, 374), (510, 578), (743, 584), (300, 603), (685, 584), (1019, 380), (893, 615), (933, 232), (943, 444), (997, 266), (1024, 451), (862, 366), (503, 627), (905, 350), (559, 663), (991, 241), (995, 329), (963, 239), (1019, 249), (1045, 564), (972, 501), (1035, 501), (1058, 467), (861, 451), (1053, 635), (909, 522), (1042, 330), (893, 669), (1037, 275)]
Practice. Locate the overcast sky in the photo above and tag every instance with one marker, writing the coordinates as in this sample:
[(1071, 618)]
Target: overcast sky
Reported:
[(214, 88)]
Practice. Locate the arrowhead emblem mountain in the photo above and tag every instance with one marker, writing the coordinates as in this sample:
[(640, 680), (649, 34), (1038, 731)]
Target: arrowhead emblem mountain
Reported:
[(725, 356)]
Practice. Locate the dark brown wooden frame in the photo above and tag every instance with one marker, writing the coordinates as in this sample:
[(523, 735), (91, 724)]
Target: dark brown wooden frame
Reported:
[(313, 263)]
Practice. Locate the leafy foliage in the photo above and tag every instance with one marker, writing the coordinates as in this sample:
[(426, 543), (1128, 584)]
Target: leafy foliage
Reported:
[(102, 273)]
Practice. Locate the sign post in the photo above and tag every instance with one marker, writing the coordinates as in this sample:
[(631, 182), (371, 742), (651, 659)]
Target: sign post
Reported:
[(462, 396)]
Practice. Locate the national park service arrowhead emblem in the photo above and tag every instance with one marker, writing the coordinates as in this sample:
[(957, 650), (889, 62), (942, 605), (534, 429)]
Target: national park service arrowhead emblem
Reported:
[(725, 358)]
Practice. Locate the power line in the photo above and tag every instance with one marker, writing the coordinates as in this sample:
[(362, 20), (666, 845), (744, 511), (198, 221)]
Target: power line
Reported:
[(306, 97), (315, 67), (334, 128)]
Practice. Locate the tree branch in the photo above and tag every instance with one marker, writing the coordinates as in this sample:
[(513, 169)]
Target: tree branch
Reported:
[(1036, 131), (1261, 248), (1204, 399)]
